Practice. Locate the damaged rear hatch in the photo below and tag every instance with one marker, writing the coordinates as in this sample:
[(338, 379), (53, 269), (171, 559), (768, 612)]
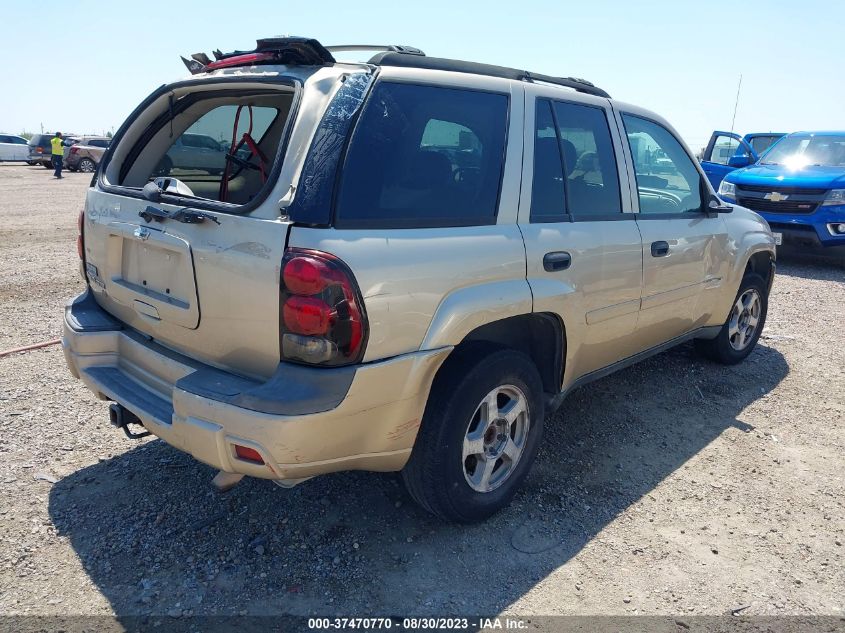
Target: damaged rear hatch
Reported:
[(184, 232)]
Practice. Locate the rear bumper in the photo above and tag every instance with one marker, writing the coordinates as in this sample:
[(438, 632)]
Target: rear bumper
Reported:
[(303, 421)]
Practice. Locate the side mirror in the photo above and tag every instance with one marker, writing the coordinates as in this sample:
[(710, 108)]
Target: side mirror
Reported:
[(715, 206), (740, 161)]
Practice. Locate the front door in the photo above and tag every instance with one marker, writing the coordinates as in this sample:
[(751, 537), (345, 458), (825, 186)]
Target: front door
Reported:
[(684, 246), (584, 256), (724, 153)]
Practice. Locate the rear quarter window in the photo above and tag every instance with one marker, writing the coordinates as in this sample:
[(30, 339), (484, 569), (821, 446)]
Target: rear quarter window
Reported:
[(424, 156)]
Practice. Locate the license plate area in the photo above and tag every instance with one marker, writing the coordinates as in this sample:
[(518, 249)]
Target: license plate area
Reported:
[(153, 273), (778, 239)]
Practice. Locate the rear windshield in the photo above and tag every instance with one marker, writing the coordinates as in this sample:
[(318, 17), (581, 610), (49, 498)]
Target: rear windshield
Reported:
[(219, 148), (424, 156), (761, 143), (39, 139)]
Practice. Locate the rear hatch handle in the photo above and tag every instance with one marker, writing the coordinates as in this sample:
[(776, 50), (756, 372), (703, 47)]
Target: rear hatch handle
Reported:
[(186, 216)]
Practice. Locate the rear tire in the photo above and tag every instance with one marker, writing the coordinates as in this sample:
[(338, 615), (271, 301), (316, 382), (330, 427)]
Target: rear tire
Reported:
[(479, 434), (86, 165), (740, 333)]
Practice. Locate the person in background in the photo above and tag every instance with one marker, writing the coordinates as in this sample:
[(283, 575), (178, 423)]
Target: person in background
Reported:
[(58, 154)]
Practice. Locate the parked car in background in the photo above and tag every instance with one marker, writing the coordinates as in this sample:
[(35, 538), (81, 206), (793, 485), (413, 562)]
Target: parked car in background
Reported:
[(432, 255), (727, 151), (40, 150), (798, 186), (13, 148), (194, 152), (85, 155)]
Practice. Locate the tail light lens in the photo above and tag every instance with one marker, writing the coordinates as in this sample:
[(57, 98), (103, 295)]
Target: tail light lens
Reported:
[(74, 149), (39, 150), (322, 317)]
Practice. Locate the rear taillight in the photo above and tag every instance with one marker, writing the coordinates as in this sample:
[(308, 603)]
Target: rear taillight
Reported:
[(322, 313), (79, 237), (74, 150), (39, 150)]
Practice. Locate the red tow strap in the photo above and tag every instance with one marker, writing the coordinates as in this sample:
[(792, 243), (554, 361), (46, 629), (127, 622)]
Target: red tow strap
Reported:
[(247, 140)]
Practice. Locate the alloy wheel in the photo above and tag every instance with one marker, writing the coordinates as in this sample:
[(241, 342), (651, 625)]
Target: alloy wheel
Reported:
[(495, 438), (744, 320)]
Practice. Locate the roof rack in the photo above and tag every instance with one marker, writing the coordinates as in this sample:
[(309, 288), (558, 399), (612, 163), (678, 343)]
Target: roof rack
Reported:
[(307, 51), (393, 48), (404, 60)]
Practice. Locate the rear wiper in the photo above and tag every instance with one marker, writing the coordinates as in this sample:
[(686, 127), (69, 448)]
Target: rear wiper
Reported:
[(186, 216)]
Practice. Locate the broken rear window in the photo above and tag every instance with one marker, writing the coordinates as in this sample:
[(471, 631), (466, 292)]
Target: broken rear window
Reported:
[(221, 147)]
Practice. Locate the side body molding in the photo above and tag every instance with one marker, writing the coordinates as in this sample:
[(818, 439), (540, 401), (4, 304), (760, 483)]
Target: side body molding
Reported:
[(468, 308)]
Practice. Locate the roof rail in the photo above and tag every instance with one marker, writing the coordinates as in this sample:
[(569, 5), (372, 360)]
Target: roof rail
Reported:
[(392, 48), (395, 58)]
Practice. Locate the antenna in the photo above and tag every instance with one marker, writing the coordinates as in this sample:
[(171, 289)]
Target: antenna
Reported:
[(736, 103)]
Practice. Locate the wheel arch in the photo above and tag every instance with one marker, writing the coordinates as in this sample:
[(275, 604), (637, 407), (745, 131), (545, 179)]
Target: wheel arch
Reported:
[(541, 336), (762, 263)]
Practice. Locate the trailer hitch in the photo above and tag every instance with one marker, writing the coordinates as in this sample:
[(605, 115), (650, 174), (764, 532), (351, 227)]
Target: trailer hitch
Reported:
[(122, 417)]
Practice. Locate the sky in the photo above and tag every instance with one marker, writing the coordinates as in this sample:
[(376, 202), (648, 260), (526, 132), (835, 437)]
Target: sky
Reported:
[(82, 66)]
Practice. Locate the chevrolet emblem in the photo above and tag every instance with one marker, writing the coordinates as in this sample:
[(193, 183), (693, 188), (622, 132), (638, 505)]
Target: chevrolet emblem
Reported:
[(775, 196)]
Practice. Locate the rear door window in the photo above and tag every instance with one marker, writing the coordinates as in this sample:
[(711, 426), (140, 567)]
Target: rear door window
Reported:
[(424, 156), (574, 164)]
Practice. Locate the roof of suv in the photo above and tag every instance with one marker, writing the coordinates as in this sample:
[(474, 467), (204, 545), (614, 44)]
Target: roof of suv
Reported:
[(305, 51)]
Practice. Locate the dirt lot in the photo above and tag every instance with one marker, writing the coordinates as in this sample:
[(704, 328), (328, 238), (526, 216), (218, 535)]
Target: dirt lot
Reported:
[(674, 487)]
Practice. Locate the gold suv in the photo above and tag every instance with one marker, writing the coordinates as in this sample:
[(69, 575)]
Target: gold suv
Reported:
[(399, 265)]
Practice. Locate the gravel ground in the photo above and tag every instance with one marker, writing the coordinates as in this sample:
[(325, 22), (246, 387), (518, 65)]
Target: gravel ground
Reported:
[(676, 487)]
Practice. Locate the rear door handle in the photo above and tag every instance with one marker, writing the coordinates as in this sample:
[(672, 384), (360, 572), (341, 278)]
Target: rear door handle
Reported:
[(659, 249), (557, 260)]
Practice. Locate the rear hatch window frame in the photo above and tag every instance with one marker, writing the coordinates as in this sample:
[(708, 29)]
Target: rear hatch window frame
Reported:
[(195, 202)]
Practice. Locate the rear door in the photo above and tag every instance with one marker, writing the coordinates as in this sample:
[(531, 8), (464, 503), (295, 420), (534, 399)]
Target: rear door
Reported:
[(584, 256), (196, 268), (724, 153)]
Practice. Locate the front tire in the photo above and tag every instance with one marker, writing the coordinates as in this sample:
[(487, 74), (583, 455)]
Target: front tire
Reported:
[(479, 435), (740, 333)]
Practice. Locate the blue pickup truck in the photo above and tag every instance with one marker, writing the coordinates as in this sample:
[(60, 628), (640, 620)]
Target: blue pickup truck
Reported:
[(798, 186), (726, 152)]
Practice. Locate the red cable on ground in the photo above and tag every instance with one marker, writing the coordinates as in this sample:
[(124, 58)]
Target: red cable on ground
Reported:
[(27, 348)]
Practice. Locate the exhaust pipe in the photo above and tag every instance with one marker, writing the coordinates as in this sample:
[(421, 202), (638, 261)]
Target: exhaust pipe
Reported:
[(121, 417)]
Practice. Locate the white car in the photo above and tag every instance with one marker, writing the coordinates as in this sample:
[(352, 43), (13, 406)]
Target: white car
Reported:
[(13, 148)]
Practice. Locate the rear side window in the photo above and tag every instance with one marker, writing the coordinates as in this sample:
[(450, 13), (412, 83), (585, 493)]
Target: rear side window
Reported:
[(574, 164), (96, 142), (424, 156)]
